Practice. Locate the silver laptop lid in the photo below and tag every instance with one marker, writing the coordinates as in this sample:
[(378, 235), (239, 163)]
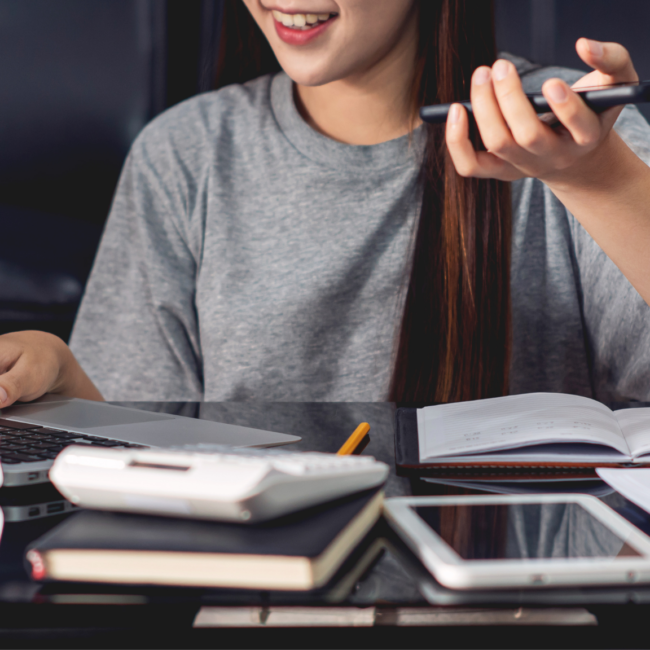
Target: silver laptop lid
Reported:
[(138, 426)]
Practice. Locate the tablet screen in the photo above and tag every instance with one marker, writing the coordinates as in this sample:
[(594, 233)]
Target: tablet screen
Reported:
[(524, 531)]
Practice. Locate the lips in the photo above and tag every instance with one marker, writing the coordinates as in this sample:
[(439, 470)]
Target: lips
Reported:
[(302, 34)]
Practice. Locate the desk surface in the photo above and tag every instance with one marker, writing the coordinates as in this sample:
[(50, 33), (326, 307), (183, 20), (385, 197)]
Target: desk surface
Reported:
[(395, 591)]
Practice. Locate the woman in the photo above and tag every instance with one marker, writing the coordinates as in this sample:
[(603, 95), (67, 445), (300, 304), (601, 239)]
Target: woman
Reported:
[(303, 237)]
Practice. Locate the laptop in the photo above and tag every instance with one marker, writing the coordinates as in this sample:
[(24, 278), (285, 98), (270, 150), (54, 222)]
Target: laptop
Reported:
[(32, 435)]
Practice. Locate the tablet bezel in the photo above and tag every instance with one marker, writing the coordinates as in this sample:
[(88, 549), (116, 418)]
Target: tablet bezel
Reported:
[(453, 571)]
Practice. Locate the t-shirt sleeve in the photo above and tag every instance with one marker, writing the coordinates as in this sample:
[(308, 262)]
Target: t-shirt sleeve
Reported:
[(617, 319), (136, 332)]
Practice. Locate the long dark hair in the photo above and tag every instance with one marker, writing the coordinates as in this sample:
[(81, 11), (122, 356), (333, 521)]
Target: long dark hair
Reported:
[(454, 338)]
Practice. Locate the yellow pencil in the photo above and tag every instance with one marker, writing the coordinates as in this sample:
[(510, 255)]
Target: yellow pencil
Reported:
[(353, 442)]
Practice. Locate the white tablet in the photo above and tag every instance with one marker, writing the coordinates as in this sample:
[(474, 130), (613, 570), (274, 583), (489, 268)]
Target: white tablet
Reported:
[(505, 541)]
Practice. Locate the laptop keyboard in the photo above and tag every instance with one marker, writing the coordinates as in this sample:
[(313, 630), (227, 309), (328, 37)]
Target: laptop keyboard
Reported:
[(21, 442)]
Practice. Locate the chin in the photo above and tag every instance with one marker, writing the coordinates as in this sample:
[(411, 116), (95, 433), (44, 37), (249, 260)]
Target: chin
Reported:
[(310, 74), (306, 74)]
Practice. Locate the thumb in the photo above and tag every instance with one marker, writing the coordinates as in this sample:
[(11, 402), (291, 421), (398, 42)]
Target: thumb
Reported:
[(610, 59)]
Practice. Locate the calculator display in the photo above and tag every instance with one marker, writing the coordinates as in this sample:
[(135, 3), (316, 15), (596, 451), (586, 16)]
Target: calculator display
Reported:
[(524, 531)]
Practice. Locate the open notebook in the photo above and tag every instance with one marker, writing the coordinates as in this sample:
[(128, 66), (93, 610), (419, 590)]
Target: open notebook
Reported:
[(538, 428)]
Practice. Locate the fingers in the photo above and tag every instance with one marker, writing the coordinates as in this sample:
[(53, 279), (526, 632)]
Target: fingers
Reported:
[(26, 381), (12, 385), (9, 354), (579, 120), (518, 143), (30, 365), (519, 127), (610, 59), (468, 161), (11, 388), (511, 129)]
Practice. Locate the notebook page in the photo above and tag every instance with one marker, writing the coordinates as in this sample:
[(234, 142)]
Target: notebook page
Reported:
[(633, 484), (515, 421), (560, 453), (635, 424)]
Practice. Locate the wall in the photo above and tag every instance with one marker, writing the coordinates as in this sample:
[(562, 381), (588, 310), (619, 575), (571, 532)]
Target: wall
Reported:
[(545, 31)]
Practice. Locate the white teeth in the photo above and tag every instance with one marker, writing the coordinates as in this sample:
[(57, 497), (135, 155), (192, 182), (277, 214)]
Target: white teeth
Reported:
[(299, 21)]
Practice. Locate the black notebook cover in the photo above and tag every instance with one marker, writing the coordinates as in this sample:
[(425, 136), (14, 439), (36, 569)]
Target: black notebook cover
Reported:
[(407, 460), (304, 534)]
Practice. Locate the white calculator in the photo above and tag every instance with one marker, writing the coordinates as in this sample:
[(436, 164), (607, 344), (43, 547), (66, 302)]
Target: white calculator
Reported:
[(210, 481)]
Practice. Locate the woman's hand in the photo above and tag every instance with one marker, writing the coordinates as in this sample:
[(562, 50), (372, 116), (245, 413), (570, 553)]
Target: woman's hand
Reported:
[(519, 144), (35, 363), (584, 162)]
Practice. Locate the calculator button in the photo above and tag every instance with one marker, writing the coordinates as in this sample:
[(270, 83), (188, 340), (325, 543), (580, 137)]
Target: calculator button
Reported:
[(288, 467)]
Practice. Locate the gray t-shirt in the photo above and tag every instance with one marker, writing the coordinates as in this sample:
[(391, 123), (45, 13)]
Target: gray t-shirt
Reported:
[(247, 256)]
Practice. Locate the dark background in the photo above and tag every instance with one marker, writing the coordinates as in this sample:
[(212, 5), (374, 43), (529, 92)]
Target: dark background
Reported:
[(80, 78), (546, 31)]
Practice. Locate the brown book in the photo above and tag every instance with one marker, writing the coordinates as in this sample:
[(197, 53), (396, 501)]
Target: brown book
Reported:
[(299, 552)]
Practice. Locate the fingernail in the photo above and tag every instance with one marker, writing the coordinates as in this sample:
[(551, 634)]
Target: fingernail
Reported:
[(3, 395), (557, 92), (454, 114), (595, 48), (501, 69), (481, 76)]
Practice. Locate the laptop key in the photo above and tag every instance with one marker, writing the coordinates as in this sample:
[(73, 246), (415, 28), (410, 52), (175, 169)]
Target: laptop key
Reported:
[(23, 458), (11, 448), (48, 430), (50, 455), (29, 451), (8, 461), (33, 450), (64, 435)]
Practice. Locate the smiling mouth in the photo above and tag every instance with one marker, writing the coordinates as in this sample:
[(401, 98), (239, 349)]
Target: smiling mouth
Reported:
[(301, 22)]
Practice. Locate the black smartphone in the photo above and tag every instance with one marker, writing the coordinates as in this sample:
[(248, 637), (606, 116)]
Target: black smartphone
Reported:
[(597, 98)]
